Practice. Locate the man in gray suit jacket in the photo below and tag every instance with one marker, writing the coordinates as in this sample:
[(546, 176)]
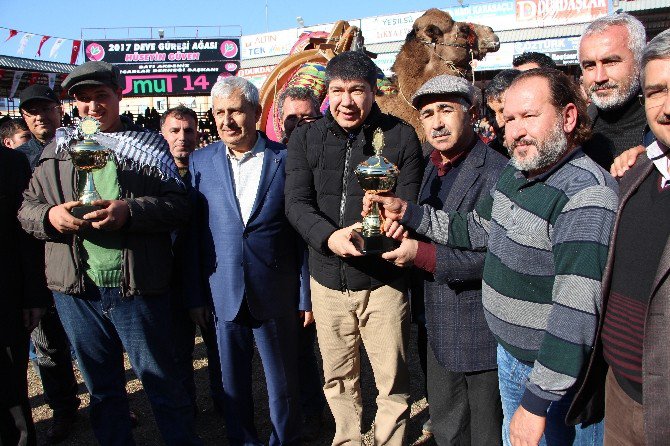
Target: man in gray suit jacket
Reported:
[(631, 358), (463, 394)]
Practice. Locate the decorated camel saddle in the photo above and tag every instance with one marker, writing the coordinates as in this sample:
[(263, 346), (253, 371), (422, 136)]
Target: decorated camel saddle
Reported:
[(305, 66)]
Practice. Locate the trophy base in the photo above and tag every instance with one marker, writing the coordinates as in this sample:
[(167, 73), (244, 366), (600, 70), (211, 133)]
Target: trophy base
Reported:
[(80, 211), (375, 244)]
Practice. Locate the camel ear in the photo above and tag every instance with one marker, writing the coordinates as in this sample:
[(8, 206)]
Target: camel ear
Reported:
[(410, 35)]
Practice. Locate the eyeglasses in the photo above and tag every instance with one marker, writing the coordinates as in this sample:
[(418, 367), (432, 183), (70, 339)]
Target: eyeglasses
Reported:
[(653, 99), (34, 111)]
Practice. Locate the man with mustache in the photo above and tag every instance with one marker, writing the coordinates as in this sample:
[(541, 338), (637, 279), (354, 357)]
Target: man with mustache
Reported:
[(462, 376), (633, 331), (546, 228), (609, 55)]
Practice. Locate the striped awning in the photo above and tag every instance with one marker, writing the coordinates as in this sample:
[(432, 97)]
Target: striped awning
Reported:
[(33, 65)]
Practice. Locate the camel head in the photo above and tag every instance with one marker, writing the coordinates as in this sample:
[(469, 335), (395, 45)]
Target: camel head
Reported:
[(439, 45)]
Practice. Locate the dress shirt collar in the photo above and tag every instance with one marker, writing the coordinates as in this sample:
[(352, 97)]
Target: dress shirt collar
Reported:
[(445, 166), (259, 147), (658, 154)]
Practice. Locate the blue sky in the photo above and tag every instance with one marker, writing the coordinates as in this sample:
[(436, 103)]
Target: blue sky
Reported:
[(66, 18)]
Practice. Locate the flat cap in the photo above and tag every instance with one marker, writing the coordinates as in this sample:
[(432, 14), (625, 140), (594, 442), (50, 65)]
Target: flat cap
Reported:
[(92, 73), (445, 84), (37, 92)]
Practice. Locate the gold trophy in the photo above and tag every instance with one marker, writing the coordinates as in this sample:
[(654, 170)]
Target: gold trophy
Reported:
[(376, 175), (87, 156)]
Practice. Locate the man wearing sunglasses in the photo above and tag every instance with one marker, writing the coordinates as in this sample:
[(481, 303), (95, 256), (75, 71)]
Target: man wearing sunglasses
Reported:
[(42, 111), (297, 106)]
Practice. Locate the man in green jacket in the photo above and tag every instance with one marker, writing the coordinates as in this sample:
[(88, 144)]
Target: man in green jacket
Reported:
[(110, 270)]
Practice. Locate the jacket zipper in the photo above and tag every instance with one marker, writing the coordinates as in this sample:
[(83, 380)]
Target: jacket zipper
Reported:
[(76, 240), (343, 203)]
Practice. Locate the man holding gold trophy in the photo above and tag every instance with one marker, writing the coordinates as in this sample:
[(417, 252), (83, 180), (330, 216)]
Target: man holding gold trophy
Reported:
[(105, 197), (355, 297)]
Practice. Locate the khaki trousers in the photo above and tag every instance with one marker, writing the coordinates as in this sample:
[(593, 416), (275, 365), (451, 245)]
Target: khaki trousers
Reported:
[(624, 425), (380, 319)]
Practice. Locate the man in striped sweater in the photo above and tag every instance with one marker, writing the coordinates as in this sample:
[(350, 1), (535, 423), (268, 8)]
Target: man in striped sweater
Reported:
[(546, 227)]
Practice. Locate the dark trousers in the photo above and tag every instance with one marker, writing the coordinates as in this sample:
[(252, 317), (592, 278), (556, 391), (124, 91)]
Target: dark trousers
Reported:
[(184, 343), (54, 364), (16, 421), (465, 407), (312, 399), (275, 340), (101, 324)]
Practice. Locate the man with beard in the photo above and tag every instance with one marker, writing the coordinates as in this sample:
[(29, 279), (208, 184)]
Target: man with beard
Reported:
[(610, 51), (546, 227), (633, 331)]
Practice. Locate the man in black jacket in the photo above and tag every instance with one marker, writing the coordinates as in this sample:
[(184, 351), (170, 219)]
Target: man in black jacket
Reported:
[(41, 109), (23, 297), (610, 51), (354, 297)]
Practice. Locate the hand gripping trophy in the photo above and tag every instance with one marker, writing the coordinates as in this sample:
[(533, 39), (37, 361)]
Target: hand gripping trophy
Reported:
[(88, 156), (131, 150), (376, 175)]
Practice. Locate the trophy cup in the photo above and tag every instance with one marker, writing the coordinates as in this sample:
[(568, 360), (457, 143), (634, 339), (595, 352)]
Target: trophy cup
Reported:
[(87, 156), (376, 175)]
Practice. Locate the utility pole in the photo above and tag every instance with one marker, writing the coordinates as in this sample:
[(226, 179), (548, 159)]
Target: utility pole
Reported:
[(266, 15)]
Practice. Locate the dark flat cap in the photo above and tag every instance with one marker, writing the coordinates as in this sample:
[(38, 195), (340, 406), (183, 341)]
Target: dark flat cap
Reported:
[(92, 73), (37, 92), (445, 84)]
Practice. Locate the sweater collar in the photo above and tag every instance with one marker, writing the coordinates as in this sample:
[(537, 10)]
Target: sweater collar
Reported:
[(627, 112), (571, 155)]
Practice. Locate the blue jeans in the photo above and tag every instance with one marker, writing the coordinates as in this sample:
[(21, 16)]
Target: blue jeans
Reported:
[(100, 324), (512, 377)]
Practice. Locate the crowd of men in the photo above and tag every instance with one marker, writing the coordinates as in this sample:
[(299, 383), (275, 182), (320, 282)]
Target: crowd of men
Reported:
[(542, 282)]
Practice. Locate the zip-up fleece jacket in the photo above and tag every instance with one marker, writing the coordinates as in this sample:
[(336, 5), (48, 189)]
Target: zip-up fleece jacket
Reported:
[(322, 193), (157, 207)]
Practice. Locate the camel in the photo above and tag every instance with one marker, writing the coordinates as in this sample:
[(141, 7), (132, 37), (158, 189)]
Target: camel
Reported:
[(435, 45)]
